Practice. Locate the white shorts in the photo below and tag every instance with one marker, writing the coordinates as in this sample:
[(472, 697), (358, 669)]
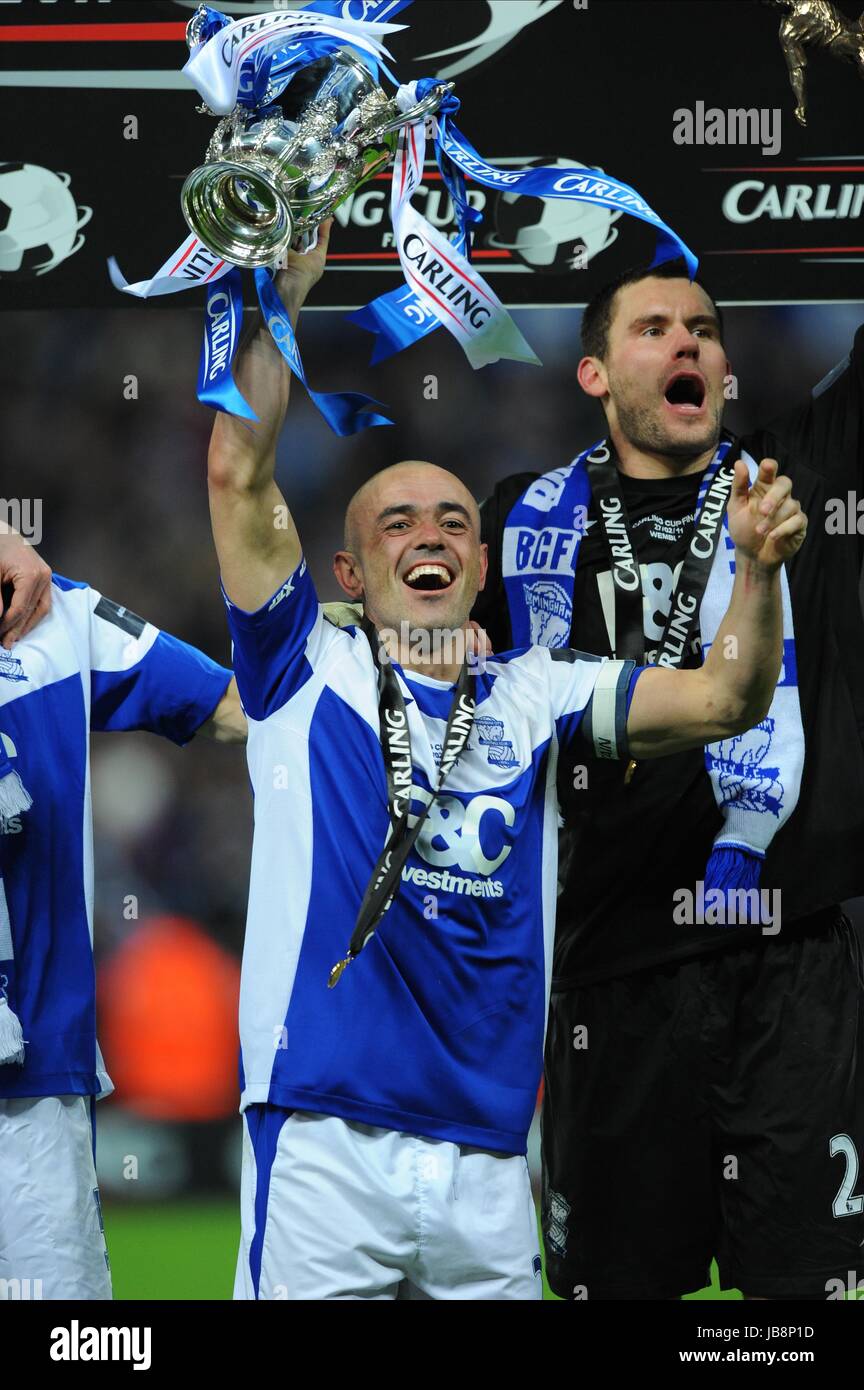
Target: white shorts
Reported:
[(334, 1209), (51, 1240)]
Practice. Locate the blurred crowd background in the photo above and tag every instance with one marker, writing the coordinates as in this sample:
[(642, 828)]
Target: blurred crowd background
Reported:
[(101, 423)]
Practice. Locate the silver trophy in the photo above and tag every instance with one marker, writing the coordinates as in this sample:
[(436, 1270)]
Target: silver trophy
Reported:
[(272, 174)]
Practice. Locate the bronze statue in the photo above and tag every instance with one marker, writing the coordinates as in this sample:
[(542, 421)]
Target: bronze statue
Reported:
[(816, 24)]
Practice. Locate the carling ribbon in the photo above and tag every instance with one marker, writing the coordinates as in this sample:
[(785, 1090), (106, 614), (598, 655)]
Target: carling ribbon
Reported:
[(399, 319), (253, 60), (446, 286), (223, 319), (190, 265), (260, 56), (341, 409), (575, 185)]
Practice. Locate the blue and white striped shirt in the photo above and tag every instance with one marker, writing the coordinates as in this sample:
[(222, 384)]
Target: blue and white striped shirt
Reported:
[(89, 665), (437, 1028)]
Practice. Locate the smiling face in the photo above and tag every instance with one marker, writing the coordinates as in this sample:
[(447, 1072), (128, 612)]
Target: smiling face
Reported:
[(661, 381), (412, 548)]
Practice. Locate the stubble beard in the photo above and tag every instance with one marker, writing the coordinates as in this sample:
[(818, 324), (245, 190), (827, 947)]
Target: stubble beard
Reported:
[(641, 428)]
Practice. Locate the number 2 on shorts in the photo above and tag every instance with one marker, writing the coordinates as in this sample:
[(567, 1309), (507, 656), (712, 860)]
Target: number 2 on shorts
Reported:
[(844, 1203)]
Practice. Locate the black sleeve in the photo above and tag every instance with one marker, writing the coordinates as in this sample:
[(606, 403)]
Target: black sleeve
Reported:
[(824, 433), (490, 609)]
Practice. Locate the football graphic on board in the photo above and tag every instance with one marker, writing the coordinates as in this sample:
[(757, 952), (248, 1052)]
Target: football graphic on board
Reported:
[(550, 235), (40, 222)]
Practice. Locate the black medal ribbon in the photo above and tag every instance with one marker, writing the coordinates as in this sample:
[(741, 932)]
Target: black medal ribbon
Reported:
[(396, 748), (687, 595)]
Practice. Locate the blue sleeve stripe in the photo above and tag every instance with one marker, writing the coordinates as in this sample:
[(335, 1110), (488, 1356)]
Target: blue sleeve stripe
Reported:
[(635, 674), (66, 584), (271, 660), (171, 691)]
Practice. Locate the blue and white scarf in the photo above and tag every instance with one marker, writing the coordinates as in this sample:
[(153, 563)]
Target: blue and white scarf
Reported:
[(755, 776)]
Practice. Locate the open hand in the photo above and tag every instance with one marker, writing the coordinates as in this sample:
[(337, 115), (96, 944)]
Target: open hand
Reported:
[(765, 521)]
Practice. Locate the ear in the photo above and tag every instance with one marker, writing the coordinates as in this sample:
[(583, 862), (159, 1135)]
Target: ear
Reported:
[(591, 375), (484, 566), (347, 571)]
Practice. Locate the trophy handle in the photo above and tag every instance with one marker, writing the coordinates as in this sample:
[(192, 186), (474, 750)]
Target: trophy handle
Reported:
[(427, 107)]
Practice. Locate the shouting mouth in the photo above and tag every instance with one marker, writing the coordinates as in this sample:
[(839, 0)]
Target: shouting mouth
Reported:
[(685, 394), (429, 578)]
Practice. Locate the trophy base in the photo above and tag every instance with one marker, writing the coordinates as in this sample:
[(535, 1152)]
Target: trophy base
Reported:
[(238, 213)]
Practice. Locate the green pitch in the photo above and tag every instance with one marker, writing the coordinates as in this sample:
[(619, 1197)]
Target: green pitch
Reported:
[(177, 1250), (188, 1250)]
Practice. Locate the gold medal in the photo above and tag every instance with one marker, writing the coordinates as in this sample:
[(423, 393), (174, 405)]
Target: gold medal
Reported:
[(336, 972)]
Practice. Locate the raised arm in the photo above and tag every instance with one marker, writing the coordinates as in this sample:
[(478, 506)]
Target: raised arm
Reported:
[(674, 710), (256, 539)]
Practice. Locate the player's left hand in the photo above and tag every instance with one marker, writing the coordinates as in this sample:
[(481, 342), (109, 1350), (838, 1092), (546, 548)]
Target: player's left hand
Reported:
[(765, 521), (25, 588), (302, 272)]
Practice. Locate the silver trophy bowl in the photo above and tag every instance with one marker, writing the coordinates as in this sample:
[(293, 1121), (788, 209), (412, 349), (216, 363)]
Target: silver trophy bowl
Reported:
[(272, 174)]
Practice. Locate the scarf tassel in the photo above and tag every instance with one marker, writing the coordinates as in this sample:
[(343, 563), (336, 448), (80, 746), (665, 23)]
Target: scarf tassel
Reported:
[(730, 869), (14, 796), (11, 1035), (14, 799)]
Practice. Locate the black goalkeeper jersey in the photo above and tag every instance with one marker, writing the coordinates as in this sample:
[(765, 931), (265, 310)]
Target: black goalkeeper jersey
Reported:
[(626, 849)]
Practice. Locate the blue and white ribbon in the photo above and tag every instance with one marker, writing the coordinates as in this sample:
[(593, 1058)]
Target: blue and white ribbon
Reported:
[(190, 265), (343, 410), (443, 280), (227, 66), (401, 317), (223, 319), (574, 185), (250, 62), (398, 319)]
